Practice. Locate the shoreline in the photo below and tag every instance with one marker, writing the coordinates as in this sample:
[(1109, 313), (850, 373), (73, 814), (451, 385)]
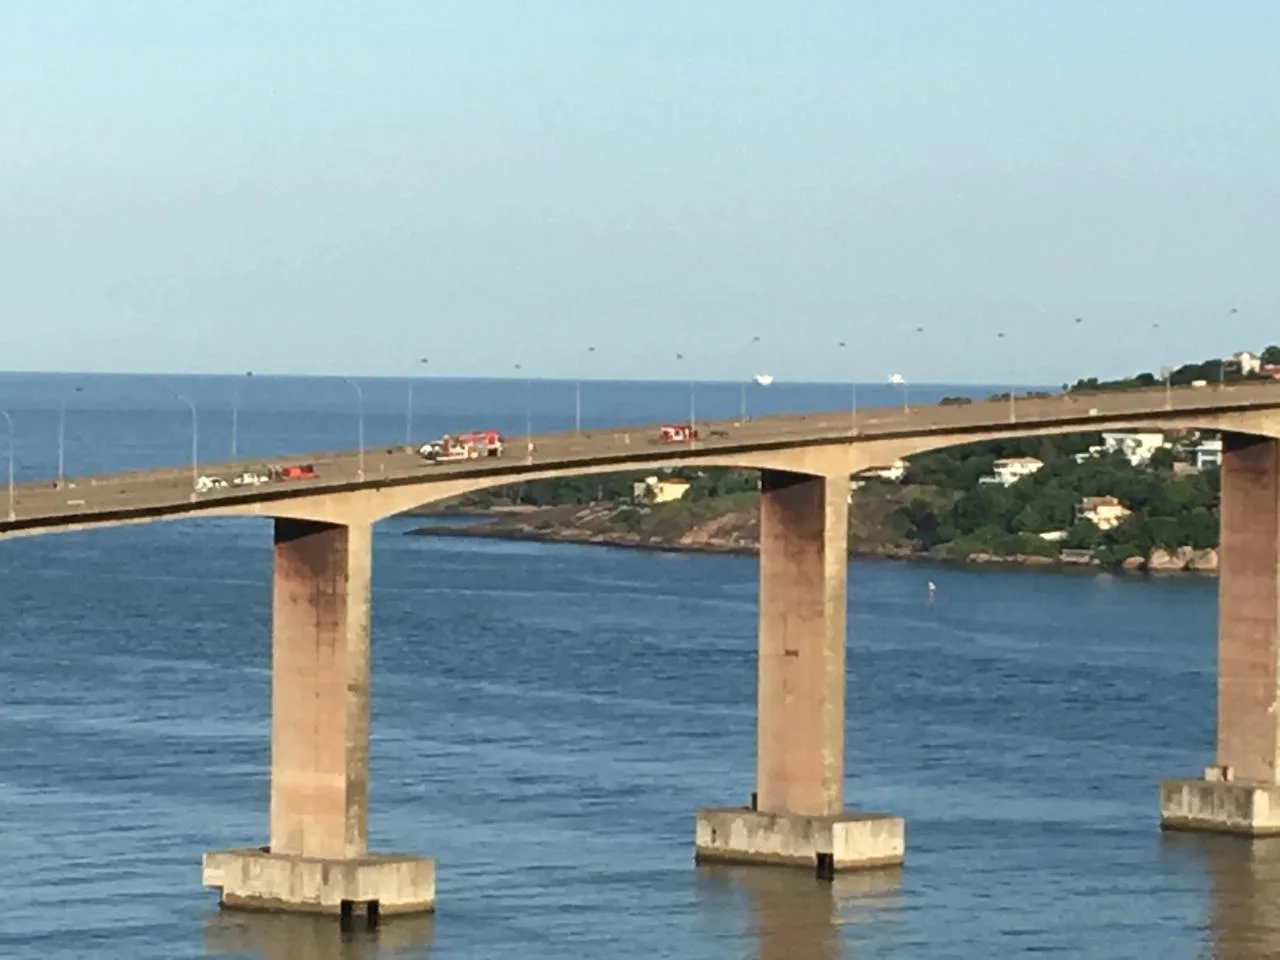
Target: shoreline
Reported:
[(478, 531)]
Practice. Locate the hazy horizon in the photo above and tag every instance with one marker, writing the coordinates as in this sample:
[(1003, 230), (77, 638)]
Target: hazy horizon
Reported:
[(329, 189)]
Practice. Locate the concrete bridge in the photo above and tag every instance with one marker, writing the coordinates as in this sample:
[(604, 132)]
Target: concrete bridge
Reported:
[(316, 857)]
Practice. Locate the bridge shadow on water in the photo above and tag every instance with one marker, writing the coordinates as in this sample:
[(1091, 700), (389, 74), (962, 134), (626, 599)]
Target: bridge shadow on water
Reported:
[(283, 936), (1244, 892), (793, 914)]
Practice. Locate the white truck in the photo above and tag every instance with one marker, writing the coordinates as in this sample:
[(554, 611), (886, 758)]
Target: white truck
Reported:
[(466, 446), (448, 449)]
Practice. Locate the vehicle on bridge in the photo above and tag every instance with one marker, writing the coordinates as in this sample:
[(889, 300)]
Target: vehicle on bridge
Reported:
[(465, 446), (207, 483), (294, 471), (488, 443), (677, 433), (251, 479)]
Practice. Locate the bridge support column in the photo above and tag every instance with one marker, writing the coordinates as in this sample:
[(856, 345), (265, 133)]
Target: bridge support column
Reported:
[(316, 860), (796, 815), (1240, 793)]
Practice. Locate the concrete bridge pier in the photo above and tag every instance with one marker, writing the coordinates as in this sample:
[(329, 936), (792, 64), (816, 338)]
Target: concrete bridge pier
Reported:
[(316, 860), (1240, 793), (796, 816)]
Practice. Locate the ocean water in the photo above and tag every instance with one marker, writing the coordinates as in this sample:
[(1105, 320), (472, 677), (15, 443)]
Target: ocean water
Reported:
[(546, 719)]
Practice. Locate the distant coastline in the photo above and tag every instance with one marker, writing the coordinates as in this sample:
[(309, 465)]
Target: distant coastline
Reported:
[(1133, 502), (732, 534)]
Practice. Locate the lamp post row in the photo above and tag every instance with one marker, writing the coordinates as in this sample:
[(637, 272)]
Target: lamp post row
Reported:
[(752, 345)]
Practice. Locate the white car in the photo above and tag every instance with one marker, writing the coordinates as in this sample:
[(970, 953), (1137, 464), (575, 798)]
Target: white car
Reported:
[(251, 479), (205, 484)]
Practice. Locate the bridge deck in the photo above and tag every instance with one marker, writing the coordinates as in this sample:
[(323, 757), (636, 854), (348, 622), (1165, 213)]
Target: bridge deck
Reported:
[(166, 491)]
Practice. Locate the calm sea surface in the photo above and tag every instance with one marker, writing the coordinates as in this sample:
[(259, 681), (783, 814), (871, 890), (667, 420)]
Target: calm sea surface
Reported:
[(547, 718)]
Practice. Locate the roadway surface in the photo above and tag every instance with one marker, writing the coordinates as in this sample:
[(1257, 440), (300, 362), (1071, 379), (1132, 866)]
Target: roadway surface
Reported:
[(170, 490)]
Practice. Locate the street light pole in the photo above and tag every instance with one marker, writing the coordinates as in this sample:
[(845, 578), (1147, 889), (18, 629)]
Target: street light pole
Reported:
[(62, 439), (693, 412), (1222, 364), (528, 413), (853, 396), (1066, 387), (1166, 371), (235, 415), (693, 415), (746, 380), (195, 441), (408, 410), (906, 383), (13, 513), (359, 424), (577, 400), (1013, 408)]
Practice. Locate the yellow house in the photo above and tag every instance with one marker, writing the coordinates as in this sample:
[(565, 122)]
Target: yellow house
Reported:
[(1105, 513)]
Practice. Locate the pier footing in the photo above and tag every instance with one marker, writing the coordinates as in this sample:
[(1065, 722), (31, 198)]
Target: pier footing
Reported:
[(371, 885), (1219, 805), (827, 844)]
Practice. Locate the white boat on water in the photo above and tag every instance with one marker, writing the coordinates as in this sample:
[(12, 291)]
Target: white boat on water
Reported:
[(763, 379), (897, 379)]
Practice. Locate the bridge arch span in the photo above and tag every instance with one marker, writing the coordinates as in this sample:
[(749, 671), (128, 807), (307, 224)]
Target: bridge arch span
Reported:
[(830, 459), (884, 451), (826, 457)]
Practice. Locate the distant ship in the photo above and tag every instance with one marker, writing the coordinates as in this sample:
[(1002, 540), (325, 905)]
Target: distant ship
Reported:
[(896, 379), (764, 379)]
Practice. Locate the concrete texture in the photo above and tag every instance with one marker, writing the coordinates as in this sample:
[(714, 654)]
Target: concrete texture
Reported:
[(1239, 793), (317, 861), (801, 664), (1220, 806), (256, 879), (851, 841), (1248, 609), (320, 689), (796, 816)]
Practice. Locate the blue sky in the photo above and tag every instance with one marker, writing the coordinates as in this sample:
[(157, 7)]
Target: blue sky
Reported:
[(324, 187)]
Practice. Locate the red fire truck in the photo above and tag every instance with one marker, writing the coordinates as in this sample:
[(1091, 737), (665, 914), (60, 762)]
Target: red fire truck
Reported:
[(294, 471), (488, 443)]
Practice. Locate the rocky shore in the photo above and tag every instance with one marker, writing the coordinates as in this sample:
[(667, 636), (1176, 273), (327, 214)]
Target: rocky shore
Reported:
[(734, 531)]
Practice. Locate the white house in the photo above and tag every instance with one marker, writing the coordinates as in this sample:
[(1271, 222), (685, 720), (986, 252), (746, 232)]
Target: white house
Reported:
[(1137, 447), (1208, 453), (1010, 470), (893, 473), (1244, 361)]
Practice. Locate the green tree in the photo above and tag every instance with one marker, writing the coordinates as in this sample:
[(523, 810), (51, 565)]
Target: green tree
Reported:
[(1162, 460), (922, 523), (1200, 528), (1083, 535)]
